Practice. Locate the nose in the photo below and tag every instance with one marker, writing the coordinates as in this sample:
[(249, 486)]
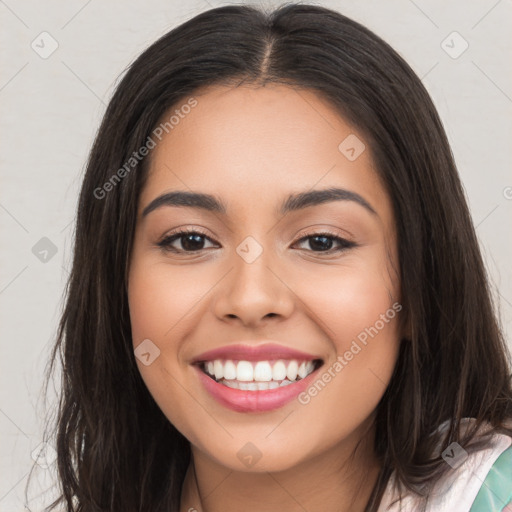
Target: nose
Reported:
[(253, 292)]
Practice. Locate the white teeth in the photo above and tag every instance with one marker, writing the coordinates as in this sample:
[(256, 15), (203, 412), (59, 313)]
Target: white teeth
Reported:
[(302, 370), (218, 369), (292, 370), (254, 386), (278, 371), (244, 371), (258, 375), (230, 371), (262, 372)]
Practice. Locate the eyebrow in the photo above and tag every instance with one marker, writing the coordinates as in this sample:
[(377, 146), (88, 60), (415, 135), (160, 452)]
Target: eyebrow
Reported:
[(292, 203)]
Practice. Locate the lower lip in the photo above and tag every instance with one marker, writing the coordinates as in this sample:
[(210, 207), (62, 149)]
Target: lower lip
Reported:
[(254, 401)]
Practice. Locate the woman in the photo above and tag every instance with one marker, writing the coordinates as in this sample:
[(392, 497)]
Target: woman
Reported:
[(277, 299)]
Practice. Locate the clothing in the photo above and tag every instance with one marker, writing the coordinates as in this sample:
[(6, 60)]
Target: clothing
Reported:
[(481, 483)]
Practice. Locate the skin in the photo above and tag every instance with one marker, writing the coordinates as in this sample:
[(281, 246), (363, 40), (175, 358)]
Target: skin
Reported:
[(252, 147)]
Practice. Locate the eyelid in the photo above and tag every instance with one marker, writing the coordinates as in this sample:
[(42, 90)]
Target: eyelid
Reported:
[(318, 229), (185, 229)]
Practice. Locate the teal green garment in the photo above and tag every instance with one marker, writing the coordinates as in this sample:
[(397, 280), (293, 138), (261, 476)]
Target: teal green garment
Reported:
[(496, 491)]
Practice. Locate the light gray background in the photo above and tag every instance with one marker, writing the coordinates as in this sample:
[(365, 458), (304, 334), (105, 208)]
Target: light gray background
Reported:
[(52, 107)]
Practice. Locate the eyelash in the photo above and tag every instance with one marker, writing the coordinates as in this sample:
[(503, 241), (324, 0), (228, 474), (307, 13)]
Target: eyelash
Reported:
[(165, 243)]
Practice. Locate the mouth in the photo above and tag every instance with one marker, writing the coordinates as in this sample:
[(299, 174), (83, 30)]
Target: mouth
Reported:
[(256, 386), (258, 375)]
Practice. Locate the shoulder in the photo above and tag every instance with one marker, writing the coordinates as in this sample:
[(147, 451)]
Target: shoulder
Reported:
[(496, 490), (478, 482)]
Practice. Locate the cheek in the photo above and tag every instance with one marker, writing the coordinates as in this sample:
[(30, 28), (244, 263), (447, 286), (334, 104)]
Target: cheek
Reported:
[(360, 318), (163, 303), (160, 298), (159, 301), (148, 302), (347, 300)]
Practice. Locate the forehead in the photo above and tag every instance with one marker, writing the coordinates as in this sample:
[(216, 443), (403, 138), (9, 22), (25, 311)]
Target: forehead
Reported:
[(251, 143)]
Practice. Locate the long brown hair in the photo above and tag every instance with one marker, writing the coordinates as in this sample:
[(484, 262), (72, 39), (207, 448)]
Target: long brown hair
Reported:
[(116, 449)]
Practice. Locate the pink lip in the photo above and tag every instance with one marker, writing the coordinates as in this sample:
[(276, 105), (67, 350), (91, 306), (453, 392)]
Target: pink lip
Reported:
[(254, 401), (262, 352)]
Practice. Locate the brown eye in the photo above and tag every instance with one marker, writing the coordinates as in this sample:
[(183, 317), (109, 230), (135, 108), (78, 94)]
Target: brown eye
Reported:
[(323, 242), (190, 241)]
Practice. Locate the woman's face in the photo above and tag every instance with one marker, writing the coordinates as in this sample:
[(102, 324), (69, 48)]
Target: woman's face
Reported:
[(254, 275)]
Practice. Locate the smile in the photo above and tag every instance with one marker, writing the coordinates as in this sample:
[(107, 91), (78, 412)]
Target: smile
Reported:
[(281, 382), (258, 375)]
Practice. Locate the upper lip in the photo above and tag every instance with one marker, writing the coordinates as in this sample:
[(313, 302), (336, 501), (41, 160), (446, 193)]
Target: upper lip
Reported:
[(246, 352)]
